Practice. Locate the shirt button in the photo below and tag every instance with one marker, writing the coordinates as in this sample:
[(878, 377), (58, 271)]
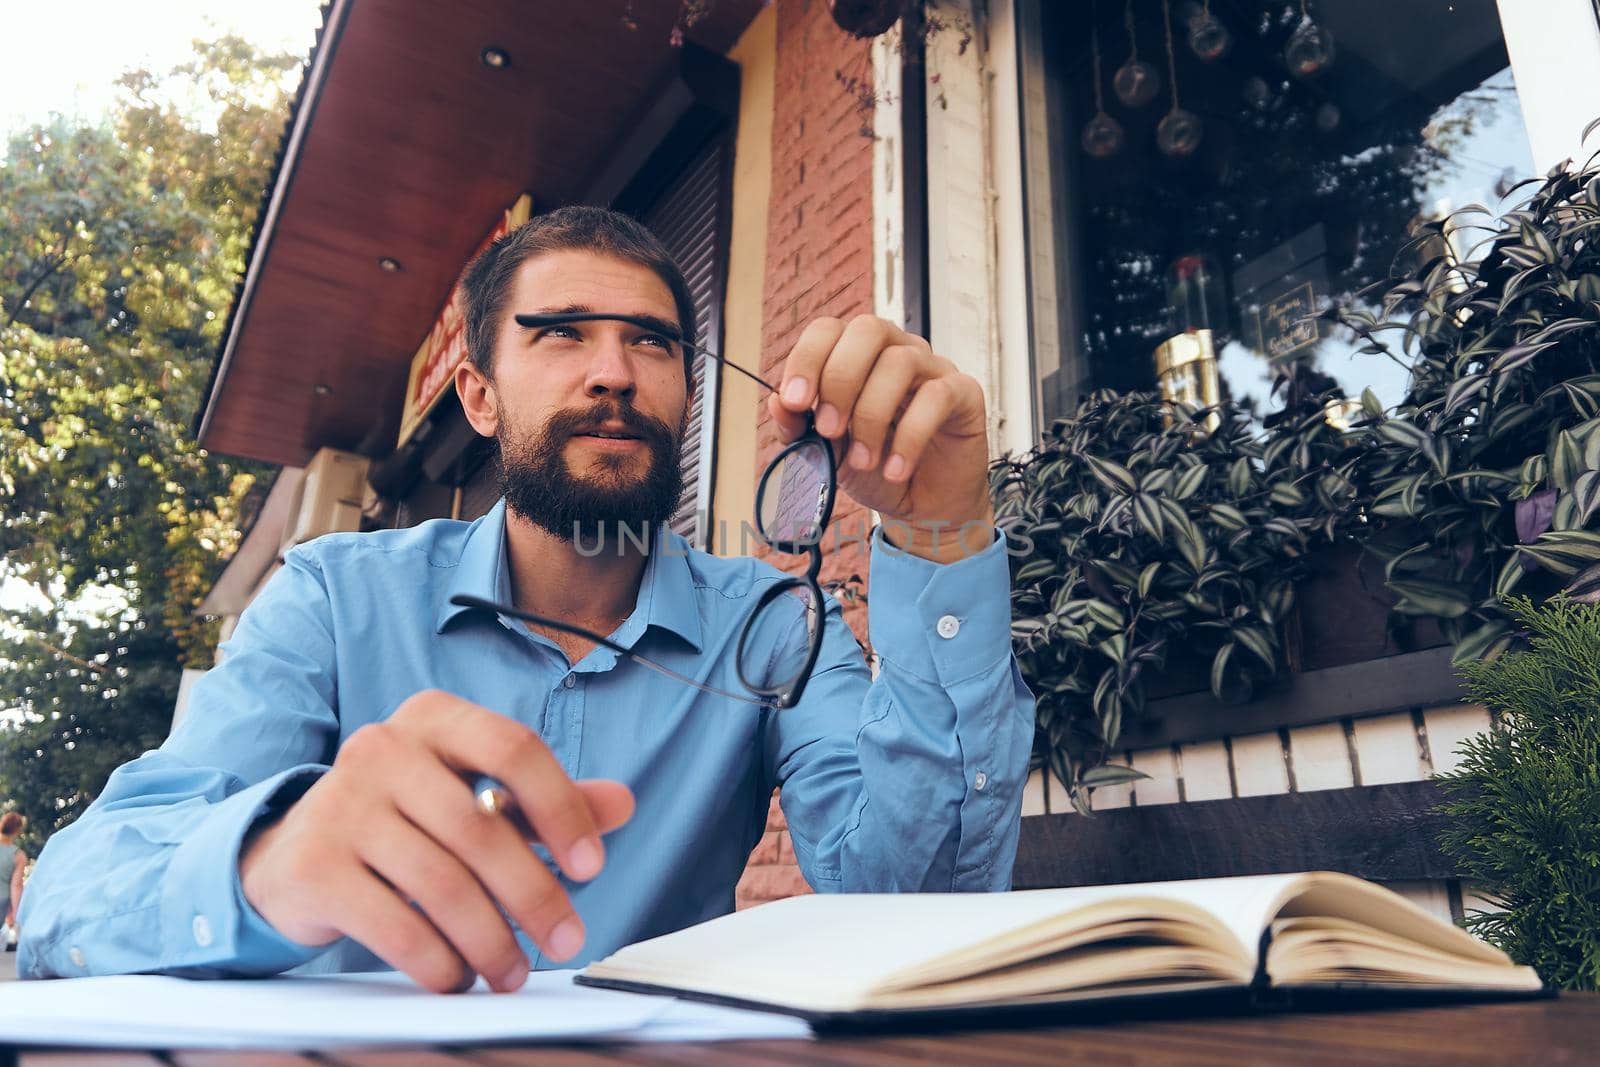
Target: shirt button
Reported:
[(948, 626), (980, 780), (202, 931), (76, 956), (570, 680)]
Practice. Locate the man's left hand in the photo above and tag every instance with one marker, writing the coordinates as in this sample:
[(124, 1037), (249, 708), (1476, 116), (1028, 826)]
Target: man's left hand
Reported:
[(907, 427)]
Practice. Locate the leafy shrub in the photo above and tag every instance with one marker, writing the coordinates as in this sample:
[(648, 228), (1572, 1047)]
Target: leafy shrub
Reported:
[(1526, 798)]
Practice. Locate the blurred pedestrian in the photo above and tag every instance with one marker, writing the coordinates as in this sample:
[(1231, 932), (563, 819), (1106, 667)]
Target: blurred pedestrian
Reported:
[(12, 862)]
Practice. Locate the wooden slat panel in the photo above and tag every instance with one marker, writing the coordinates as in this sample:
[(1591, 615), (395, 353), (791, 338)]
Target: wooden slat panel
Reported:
[(1259, 768), (1431, 896), (1383, 832), (1387, 750), (1033, 794), (1321, 757), (1206, 775), (1161, 764), (1448, 727)]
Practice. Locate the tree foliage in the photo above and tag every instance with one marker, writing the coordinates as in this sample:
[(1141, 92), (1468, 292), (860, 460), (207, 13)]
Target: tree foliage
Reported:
[(120, 247)]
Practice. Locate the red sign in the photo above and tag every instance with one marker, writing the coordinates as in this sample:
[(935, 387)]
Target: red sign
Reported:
[(445, 348)]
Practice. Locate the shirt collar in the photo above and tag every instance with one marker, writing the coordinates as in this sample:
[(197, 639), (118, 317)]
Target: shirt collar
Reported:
[(666, 592)]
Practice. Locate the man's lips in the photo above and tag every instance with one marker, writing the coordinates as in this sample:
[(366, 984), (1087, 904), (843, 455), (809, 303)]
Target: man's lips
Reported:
[(611, 438)]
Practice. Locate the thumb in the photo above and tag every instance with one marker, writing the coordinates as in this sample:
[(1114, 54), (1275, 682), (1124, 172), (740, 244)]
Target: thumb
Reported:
[(791, 424)]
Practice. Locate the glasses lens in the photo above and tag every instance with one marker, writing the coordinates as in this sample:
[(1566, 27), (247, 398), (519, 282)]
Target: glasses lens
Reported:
[(778, 647), (794, 495)]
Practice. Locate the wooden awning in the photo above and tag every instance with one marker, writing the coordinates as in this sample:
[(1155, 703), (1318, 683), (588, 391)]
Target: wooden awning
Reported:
[(406, 145)]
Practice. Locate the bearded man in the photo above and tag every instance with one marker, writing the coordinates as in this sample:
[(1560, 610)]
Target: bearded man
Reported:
[(315, 809)]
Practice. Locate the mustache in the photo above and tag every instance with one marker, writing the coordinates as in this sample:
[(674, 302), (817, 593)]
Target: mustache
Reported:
[(566, 424)]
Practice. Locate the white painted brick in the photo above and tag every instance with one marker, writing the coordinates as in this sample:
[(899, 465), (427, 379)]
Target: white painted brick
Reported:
[(1258, 766), (1162, 785), (1448, 727), (1033, 794), (1205, 771), (1321, 757), (1432, 896), (1386, 749)]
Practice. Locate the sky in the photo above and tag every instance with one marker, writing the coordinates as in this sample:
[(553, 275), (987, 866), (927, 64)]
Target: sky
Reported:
[(65, 55)]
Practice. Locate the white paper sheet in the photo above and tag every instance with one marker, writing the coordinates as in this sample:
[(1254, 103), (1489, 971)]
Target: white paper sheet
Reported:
[(291, 1012)]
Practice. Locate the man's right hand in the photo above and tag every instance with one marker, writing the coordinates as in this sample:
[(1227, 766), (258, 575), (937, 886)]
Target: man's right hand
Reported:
[(395, 821)]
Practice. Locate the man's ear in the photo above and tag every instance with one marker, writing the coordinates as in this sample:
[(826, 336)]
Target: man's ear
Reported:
[(478, 400)]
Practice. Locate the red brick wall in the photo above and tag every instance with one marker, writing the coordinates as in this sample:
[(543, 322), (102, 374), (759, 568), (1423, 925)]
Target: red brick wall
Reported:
[(819, 262)]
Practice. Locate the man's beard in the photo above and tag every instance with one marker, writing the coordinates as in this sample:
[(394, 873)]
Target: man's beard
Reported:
[(595, 504)]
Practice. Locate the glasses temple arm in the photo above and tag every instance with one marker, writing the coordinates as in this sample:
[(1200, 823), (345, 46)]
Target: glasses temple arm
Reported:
[(466, 601)]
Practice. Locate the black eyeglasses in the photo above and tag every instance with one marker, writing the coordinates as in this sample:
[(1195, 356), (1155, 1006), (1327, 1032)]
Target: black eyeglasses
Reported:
[(794, 502)]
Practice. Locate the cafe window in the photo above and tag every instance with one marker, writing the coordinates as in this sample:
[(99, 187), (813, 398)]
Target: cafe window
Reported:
[(1204, 178)]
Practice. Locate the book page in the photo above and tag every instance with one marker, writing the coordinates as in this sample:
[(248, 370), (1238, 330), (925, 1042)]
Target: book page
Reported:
[(830, 951)]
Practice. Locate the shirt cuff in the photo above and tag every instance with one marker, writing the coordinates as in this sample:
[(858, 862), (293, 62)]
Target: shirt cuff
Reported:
[(942, 622), (207, 926)]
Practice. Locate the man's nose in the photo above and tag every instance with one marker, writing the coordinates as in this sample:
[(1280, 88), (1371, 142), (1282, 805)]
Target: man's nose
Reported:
[(610, 371)]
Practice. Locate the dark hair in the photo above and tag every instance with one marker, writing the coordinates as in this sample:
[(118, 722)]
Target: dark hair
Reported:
[(12, 823), (592, 229)]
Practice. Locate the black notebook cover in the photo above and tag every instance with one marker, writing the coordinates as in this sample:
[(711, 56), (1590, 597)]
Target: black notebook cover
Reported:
[(1253, 999)]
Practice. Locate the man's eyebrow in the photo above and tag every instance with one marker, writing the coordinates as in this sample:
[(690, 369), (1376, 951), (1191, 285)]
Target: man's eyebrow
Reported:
[(583, 312)]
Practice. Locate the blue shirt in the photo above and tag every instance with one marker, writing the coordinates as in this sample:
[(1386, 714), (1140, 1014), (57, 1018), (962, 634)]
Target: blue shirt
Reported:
[(911, 782)]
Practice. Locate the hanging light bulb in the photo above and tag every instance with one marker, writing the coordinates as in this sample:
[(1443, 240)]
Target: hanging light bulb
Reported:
[(1178, 133), (1136, 82), (1310, 49), (1256, 92), (1102, 135), (1208, 37), (1328, 117)]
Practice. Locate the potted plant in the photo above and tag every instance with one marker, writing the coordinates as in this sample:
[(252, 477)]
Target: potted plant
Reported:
[(1486, 477), (1153, 543)]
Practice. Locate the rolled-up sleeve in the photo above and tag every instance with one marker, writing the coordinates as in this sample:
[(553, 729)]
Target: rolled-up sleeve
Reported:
[(147, 878), (912, 782)]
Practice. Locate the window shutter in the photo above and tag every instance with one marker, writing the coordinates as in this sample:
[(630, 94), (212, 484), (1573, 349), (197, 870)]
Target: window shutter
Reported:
[(690, 219)]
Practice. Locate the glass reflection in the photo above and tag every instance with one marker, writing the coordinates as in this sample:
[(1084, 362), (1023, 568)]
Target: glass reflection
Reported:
[(1301, 192)]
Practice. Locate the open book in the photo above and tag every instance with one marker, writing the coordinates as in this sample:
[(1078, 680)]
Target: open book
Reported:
[(844, 957)]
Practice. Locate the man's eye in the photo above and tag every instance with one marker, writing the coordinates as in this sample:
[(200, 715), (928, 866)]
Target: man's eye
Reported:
[(655, 339), (566, 332)]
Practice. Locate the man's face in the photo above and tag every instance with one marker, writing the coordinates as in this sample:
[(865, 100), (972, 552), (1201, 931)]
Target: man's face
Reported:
[(590, 414)]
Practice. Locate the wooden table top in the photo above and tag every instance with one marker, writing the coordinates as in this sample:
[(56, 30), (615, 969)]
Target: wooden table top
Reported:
[(1545, 1032)]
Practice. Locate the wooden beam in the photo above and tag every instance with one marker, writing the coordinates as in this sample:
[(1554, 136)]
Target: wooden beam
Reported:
[(1384, 832), (1372, 687)]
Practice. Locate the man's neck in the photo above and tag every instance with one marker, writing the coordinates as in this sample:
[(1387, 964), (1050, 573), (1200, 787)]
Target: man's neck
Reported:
[(595, 588)]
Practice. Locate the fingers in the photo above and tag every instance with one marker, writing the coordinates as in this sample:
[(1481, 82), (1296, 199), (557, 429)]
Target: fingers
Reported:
[(473, 740), (455, 901), (610, 803), (363, 907), (482, 852), (935, 399), (879, 402)]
